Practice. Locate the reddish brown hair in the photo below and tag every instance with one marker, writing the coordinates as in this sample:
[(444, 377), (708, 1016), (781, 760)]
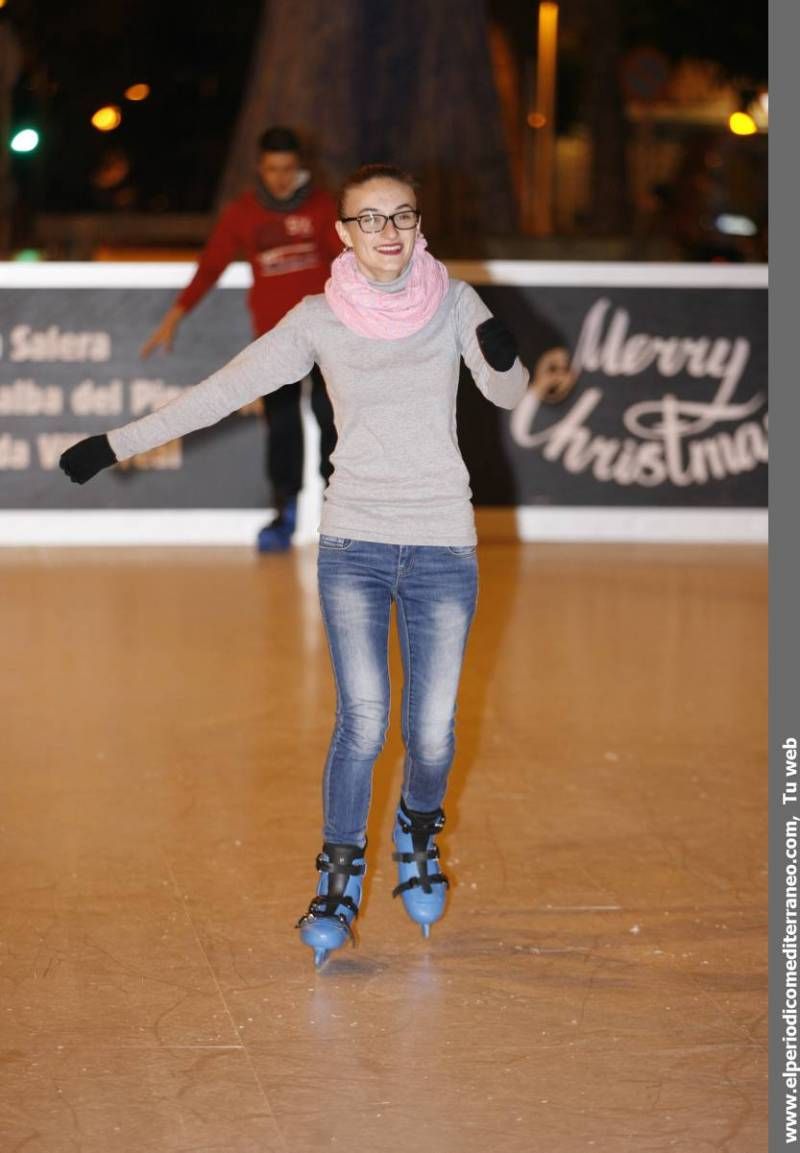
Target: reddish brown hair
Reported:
[(369, 172)]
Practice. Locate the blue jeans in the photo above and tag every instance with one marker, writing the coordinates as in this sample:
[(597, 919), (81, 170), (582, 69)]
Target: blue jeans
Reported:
[(435, 589)]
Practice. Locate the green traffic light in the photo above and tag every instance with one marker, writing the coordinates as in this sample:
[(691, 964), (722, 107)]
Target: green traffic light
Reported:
[(26, 140)]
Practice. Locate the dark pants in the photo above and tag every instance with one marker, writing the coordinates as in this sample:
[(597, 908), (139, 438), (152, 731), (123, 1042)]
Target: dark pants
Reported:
[(284, 460)]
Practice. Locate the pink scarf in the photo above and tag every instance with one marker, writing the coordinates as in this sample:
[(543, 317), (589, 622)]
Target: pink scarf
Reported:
[(386, 315)]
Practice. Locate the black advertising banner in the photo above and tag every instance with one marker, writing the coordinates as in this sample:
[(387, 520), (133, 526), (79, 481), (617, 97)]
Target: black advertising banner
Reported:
[(69, 366), (641, 395)]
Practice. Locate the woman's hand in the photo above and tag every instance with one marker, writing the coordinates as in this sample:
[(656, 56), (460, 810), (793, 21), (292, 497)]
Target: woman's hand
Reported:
[(86, 458)]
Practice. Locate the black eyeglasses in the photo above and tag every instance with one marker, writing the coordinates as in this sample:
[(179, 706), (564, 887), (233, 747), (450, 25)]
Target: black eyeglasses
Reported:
[(376, 221)]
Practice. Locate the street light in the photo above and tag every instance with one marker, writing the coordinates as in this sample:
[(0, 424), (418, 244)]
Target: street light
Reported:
[(137, 92), (25, 140), (742, 124), (108, 118)]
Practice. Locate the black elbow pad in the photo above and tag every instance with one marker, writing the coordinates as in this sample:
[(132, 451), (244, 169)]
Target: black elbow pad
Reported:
[(497, 344)]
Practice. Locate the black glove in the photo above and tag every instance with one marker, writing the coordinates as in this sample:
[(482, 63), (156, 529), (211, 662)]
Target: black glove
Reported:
[(497, 344), (85, 459)]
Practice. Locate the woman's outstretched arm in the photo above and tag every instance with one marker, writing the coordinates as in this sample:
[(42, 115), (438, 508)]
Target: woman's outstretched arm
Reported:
[(283, 355)]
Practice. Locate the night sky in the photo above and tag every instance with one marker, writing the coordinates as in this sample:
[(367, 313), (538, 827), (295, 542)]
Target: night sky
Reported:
[(168, 153), (81, 56)]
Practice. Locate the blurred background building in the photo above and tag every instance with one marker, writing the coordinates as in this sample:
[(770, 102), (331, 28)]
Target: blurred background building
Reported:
[(587, 129)]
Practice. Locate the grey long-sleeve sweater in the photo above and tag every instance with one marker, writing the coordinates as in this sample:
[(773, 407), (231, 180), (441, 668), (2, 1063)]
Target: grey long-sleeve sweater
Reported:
[(398, 473)]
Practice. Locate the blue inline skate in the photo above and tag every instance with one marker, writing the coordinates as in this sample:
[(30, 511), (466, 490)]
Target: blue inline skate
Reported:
[(328, 923), (422, 886), (277, 535)]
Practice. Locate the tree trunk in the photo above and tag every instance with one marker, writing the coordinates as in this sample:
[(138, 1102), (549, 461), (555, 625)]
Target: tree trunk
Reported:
[(407, 83)]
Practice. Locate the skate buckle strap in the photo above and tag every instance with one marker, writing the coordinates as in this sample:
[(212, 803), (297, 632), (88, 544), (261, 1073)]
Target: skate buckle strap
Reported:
[(427, 825), (431, 854), (325, 865), (325, 906), (421, 882)]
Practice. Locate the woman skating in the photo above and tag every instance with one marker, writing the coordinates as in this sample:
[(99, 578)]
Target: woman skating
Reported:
[(397, 522)]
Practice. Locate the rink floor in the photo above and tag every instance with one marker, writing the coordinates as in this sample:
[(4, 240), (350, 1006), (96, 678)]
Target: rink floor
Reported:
[(599, 981)]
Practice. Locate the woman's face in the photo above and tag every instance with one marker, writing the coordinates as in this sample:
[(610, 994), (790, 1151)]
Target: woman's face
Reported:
[(380, 255)]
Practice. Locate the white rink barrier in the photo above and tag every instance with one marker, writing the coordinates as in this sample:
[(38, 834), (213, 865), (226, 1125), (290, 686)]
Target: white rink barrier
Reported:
[(647, 420)]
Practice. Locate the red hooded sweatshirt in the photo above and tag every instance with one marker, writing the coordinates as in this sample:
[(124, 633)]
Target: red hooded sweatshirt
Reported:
[(289, 248)]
